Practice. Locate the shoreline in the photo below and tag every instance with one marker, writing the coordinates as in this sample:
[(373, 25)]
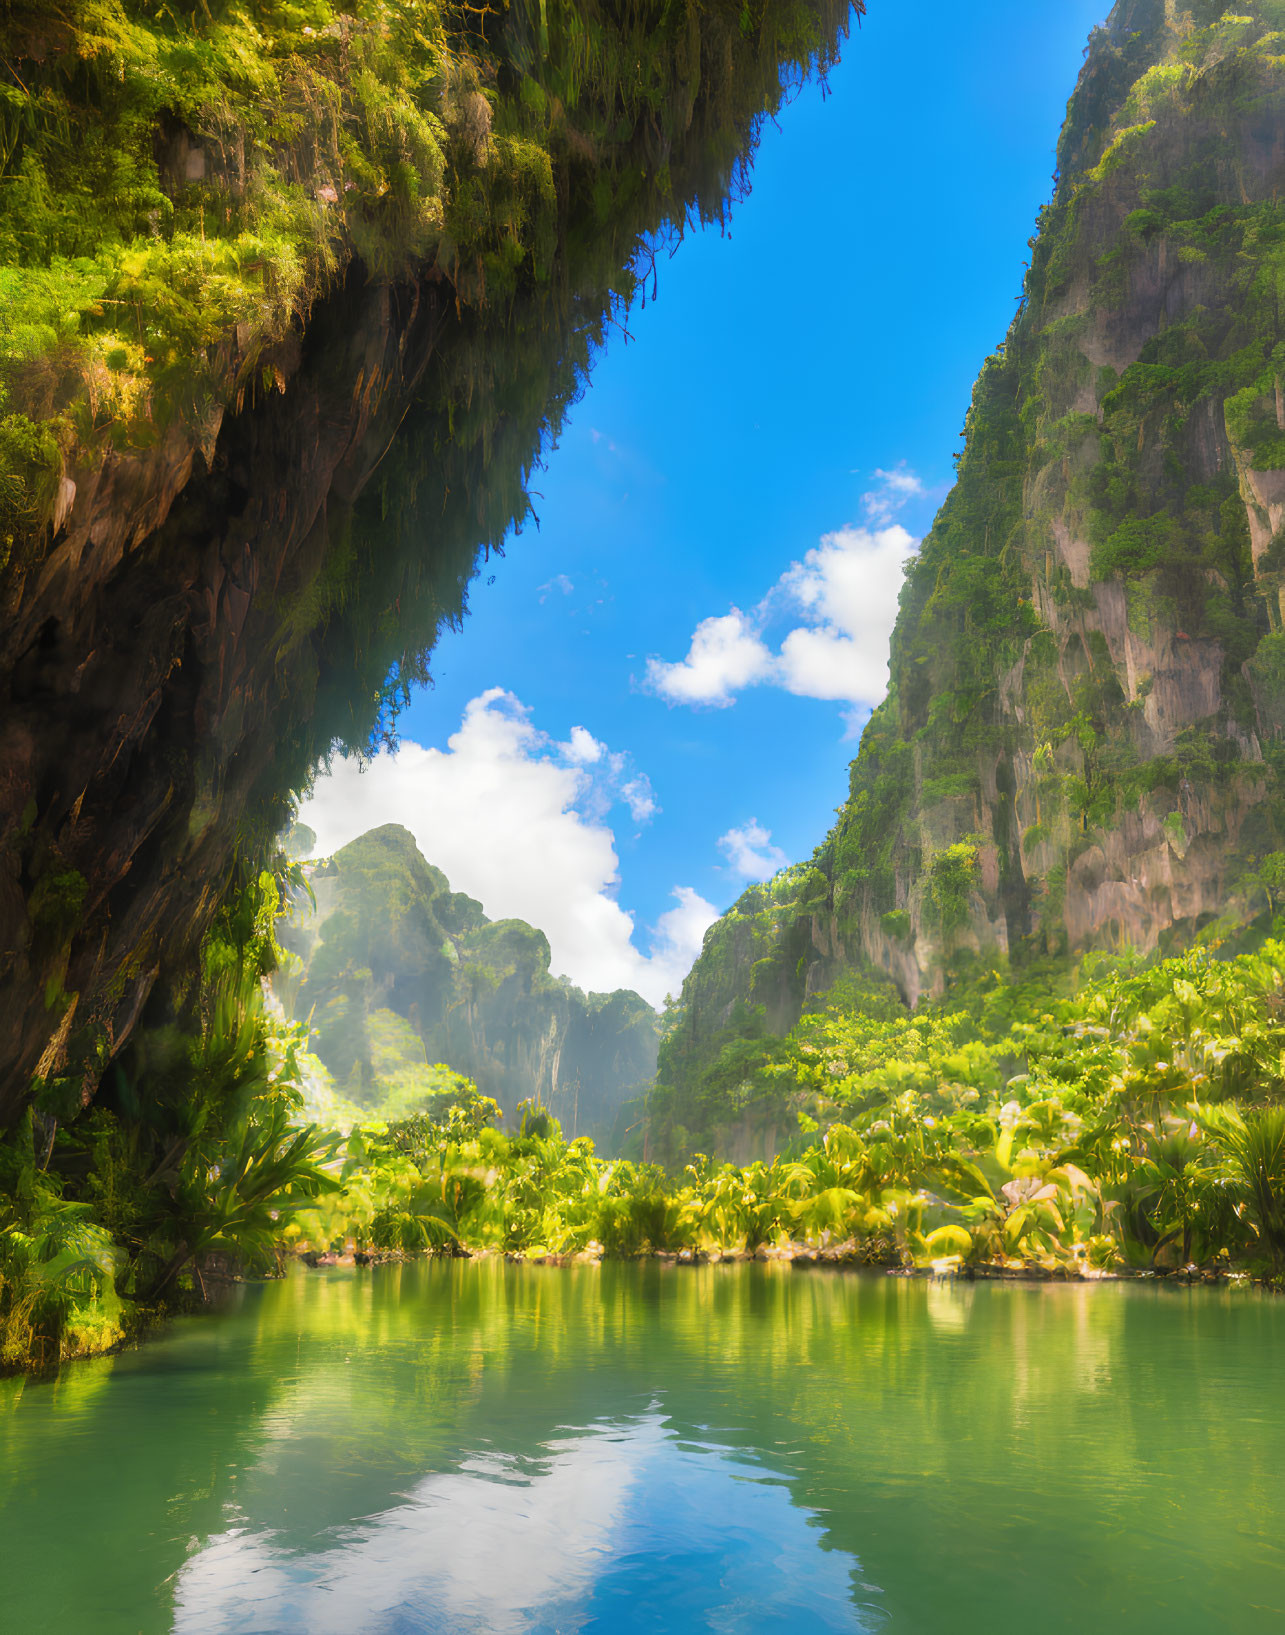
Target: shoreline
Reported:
[(148, 1324), (806, 1257), (803, 1258)]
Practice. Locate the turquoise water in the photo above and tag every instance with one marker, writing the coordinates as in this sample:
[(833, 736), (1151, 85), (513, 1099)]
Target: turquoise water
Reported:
[(476, 1447)]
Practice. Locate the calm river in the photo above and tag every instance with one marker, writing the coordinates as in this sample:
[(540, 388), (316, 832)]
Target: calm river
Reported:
[(477, 1447)]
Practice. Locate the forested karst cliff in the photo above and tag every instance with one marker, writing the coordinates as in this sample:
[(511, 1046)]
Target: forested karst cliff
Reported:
[(397, 973), (1081, 743), (290, 295)]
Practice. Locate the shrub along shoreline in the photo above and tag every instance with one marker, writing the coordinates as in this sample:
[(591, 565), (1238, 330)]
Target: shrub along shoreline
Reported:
[(1132, 1126), (1135, 1124), (847, 1256)]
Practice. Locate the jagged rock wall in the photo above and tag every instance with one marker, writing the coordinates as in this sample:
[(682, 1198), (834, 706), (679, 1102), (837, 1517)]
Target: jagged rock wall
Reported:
[(1082, 741), (227, 544), (389, 935)]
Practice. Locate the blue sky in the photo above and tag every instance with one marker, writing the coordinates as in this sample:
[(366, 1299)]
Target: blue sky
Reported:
[(832, 335)]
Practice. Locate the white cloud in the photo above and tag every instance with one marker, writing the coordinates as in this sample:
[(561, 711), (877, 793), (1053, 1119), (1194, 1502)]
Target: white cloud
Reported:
[(484, 1546), (750, 852), (845, 591), (895, 489), (678, 936), (639, 798), (538, 1533), (825, 663), (559, 582), (847, 588), (584, 749), (518, 821), (726, 654)]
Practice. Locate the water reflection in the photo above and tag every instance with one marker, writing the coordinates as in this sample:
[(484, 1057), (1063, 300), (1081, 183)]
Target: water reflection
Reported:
[(462, 1447), (622, 1527)]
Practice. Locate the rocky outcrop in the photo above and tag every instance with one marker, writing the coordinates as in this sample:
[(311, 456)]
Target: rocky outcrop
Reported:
[(248, 475), (1081, 746), (393, 972), (161, 687)]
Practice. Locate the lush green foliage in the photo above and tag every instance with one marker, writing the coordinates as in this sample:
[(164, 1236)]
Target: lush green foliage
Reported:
[(1139, 1117), (183, 189), (179, 183), (58, 1266), (366, 253), (193, 199), (191, 1157), (1139, 1121)]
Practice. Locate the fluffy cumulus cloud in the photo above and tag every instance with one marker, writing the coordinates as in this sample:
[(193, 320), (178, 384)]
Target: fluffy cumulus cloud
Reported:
[(750, 853), (726, 655), (583, 749), (678, 938), (847, 592), (518, 821), (839, 605)]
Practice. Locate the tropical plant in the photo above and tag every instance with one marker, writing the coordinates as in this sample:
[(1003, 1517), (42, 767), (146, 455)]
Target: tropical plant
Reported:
[(264, 1171), (1253, 1147)]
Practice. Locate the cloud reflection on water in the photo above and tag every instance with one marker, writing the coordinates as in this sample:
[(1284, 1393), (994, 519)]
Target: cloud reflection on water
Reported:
[(617, 1526)]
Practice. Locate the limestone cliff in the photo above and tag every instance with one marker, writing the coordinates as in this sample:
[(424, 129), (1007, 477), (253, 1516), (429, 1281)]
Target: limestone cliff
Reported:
[(396, 972), (290, 299), (1081, 746)]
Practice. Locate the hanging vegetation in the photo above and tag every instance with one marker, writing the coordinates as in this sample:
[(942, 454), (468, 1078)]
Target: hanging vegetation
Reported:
[(291, 299)]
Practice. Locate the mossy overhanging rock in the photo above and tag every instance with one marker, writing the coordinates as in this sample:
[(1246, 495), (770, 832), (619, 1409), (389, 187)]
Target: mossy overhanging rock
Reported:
[(291, 298)]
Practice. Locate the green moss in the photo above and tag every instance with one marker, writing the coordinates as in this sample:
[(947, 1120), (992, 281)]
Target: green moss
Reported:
[(952, 875), (1121, 149), (56, 901), (1136, 547), (1267, 673), (178, 187), (896, 924), (954, 786), (30, 468)]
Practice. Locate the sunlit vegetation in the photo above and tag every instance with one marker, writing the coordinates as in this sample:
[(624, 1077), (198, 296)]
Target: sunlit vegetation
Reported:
[(180, 183), (193, 196), (1137, 1123), (388, 237), (183, 191)]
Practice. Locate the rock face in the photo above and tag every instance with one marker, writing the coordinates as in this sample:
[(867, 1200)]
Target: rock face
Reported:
[(397, 972), (286, 388), (1081, 745), (160, 683)]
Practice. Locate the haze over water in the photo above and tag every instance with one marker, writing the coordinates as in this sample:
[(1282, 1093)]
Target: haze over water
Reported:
[(454, 1447)]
